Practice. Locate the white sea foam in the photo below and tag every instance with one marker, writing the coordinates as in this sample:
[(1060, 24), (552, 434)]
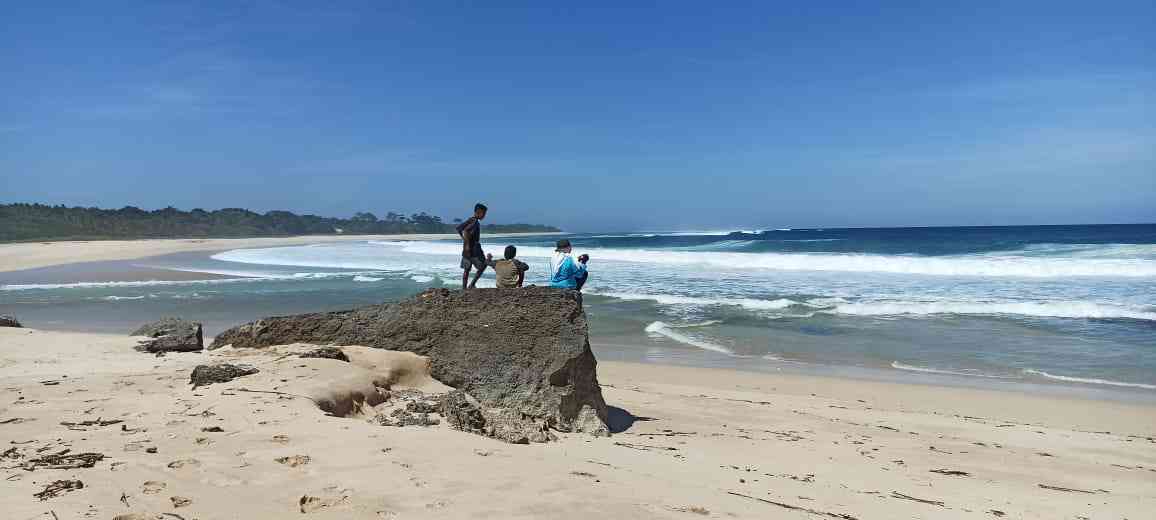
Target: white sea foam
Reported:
[(360, 278), (1039, 309), (421, 278), (980, 265), (929, 370), (119, 298), (670, 299), (667, 330), (1087, 380)]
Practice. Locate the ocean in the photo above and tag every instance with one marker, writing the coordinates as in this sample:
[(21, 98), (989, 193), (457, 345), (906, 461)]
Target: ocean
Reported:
[(1065, 308)]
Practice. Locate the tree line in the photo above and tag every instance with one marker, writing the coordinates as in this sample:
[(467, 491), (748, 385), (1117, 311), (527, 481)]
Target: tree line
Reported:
[(23, 222)]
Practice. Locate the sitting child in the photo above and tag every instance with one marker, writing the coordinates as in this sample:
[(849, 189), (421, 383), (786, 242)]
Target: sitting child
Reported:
[(510, 271)]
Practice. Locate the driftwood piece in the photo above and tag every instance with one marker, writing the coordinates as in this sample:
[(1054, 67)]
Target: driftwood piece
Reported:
[(1071, 490), (644, 447), (58, 487), (83, 425), (951, 472), (896, 494), (828, 514), (63, 460)]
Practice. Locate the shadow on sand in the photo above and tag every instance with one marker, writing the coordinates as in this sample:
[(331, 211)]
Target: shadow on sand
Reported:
[(620, 420)]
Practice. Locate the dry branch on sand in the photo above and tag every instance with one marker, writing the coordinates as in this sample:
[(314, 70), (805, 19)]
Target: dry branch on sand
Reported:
[(63, 460), (828, 514), (58, 487)]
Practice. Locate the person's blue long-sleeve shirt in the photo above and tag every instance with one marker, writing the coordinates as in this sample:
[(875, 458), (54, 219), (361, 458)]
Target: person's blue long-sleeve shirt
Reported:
[(567, 274)]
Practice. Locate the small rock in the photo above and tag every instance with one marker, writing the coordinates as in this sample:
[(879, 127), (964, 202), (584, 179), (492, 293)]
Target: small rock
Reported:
[(151, 449), (171, 335), (204, 375), (9, 321), (401, 417), (326, 353), (212, 429), (462, 412)]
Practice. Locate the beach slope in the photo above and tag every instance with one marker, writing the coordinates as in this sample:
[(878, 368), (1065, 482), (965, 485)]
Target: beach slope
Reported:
[(689, 443)]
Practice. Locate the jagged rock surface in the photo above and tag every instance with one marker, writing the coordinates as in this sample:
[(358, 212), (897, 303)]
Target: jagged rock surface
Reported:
[(171, 335), (9, 321), (522, 354)]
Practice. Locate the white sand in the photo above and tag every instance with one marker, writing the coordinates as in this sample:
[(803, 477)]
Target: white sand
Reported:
[(703, 438), (30, 255)]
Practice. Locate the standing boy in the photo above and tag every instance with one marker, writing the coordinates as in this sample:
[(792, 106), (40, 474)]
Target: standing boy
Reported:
[(472, 255)]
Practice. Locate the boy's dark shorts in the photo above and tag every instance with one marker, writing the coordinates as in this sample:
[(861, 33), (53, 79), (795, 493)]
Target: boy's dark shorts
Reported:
[(478, 262)]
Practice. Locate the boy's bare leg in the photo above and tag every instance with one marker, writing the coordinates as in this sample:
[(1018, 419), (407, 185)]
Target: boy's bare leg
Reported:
[(466, 278), (477, 275)]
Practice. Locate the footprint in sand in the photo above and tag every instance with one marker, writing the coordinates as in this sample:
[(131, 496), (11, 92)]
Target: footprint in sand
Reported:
[(312, 504), (294, 460), (176, 464), (181, 501), (152, 487), (281, 439)]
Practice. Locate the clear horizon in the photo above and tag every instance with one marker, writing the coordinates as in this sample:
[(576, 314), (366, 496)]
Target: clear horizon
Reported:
[(593, 118)]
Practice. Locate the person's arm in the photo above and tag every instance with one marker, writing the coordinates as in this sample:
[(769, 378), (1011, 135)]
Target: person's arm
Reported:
[(571, 268), (521, 267), (465, 230)]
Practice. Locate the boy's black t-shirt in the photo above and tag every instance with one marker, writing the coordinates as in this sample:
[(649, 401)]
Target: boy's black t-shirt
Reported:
[(474, 246)]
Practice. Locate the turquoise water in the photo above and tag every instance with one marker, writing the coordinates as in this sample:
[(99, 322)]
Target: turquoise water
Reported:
[(1073, 306)]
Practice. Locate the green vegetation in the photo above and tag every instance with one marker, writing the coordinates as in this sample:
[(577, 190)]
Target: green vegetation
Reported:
[(23, 222)]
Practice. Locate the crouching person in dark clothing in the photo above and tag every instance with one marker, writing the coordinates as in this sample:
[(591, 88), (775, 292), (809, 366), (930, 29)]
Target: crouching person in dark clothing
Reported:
[(510, 271)]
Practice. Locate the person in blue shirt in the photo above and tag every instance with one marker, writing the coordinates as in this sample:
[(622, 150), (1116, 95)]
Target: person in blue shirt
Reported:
[(565, 271)]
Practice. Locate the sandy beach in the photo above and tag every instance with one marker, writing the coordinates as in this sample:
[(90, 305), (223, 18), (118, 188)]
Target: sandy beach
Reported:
[(30, 255), (689, 443)]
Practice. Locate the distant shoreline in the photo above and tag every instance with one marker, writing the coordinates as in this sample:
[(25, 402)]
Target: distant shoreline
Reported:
[(19, 256)]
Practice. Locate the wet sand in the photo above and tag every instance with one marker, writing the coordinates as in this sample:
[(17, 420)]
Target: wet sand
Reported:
[(689, 443)]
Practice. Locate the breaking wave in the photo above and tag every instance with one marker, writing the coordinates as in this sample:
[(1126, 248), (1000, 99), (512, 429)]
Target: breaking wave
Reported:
[(981, 265), (929, 370), (668, 299), (1087, 380), (669, 331), (1038, 309)]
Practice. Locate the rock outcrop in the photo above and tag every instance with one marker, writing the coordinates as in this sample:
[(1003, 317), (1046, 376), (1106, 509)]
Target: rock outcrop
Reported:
[(171, 335), (523, 355), (9, 321)]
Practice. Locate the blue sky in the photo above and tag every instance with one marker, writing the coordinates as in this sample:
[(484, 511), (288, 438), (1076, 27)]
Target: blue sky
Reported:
[(665, 115)]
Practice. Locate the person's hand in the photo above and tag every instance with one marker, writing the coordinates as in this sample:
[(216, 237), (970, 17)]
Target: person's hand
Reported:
[(584, 258), (489, 256)]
